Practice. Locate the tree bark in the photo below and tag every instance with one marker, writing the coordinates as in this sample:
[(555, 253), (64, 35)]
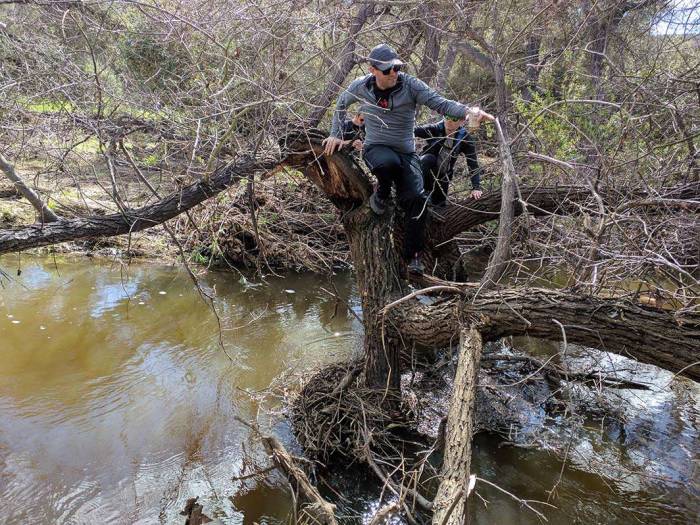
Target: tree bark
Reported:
[(449, 505), (45, 214), (664, 338), (373, 251), (377, 267)]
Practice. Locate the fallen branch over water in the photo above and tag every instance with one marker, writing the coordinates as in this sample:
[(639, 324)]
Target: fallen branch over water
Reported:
[(316, 509)]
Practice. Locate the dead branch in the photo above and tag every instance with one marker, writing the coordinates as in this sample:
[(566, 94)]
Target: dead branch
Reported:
[(45, 213), (317, 508)]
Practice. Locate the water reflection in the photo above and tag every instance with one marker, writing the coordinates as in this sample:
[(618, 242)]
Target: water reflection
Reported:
[(116, 400)]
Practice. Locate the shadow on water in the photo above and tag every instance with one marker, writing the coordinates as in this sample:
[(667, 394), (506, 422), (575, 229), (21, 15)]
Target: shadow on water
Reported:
[(117, 405)]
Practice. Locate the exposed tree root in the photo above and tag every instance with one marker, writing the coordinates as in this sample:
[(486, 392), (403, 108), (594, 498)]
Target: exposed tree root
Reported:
[(529, 403)]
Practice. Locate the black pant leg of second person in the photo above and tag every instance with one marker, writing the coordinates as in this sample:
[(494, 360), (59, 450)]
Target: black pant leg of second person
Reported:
[(436, 183), (442, 188), (428, 163)]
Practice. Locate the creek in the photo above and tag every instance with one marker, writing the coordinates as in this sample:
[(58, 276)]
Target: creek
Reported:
[(118, 403)]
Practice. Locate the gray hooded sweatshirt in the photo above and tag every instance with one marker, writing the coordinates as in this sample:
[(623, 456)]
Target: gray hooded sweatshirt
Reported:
[(392, 126)]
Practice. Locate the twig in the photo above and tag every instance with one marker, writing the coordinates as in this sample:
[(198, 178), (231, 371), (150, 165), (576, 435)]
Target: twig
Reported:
[(423, 291), (516, 498)]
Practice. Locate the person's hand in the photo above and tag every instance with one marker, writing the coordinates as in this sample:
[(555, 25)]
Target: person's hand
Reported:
[(481, 116), (357, 144), (331, 145), (476, 194)]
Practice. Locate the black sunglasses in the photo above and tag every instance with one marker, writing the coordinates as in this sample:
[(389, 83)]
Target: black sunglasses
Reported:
[(396, 68)]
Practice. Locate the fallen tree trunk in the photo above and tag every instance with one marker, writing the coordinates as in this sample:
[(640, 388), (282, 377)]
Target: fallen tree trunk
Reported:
[(664, 338), (131, 220), (449, 506)]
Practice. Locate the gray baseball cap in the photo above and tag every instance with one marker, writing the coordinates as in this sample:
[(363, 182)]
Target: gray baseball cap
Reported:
[(383, 57)]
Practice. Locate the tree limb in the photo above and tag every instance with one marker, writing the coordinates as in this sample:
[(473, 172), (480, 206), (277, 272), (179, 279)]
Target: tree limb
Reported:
[(131, 220), (664, 338), (449, 506), (45, 213)]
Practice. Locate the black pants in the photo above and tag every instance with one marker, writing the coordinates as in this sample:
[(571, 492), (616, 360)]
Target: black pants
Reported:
[(404, 170), (436, 181)]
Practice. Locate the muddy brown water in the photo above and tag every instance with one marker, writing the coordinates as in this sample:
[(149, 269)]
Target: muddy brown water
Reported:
[(117, 404)]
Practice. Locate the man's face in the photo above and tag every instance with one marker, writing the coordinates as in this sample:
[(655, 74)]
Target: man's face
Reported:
[(385, 81)]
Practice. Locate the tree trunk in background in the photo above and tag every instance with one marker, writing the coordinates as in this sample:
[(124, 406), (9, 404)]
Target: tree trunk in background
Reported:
[(431, 52), (448, 62), (532, 70), (414, 34), (347, 62)]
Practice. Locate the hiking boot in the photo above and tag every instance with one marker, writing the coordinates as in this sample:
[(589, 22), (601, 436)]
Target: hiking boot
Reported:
[(416, 266), (377, 204)]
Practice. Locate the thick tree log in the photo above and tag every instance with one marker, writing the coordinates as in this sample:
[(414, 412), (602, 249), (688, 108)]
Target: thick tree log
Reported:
[(449, 505), (34, 236), (668, 339)]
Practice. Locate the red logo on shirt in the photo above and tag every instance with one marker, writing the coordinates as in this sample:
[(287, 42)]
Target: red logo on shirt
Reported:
[(383, 103)]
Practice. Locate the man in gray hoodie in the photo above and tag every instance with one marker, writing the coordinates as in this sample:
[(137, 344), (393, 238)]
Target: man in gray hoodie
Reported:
[(388, 99)]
